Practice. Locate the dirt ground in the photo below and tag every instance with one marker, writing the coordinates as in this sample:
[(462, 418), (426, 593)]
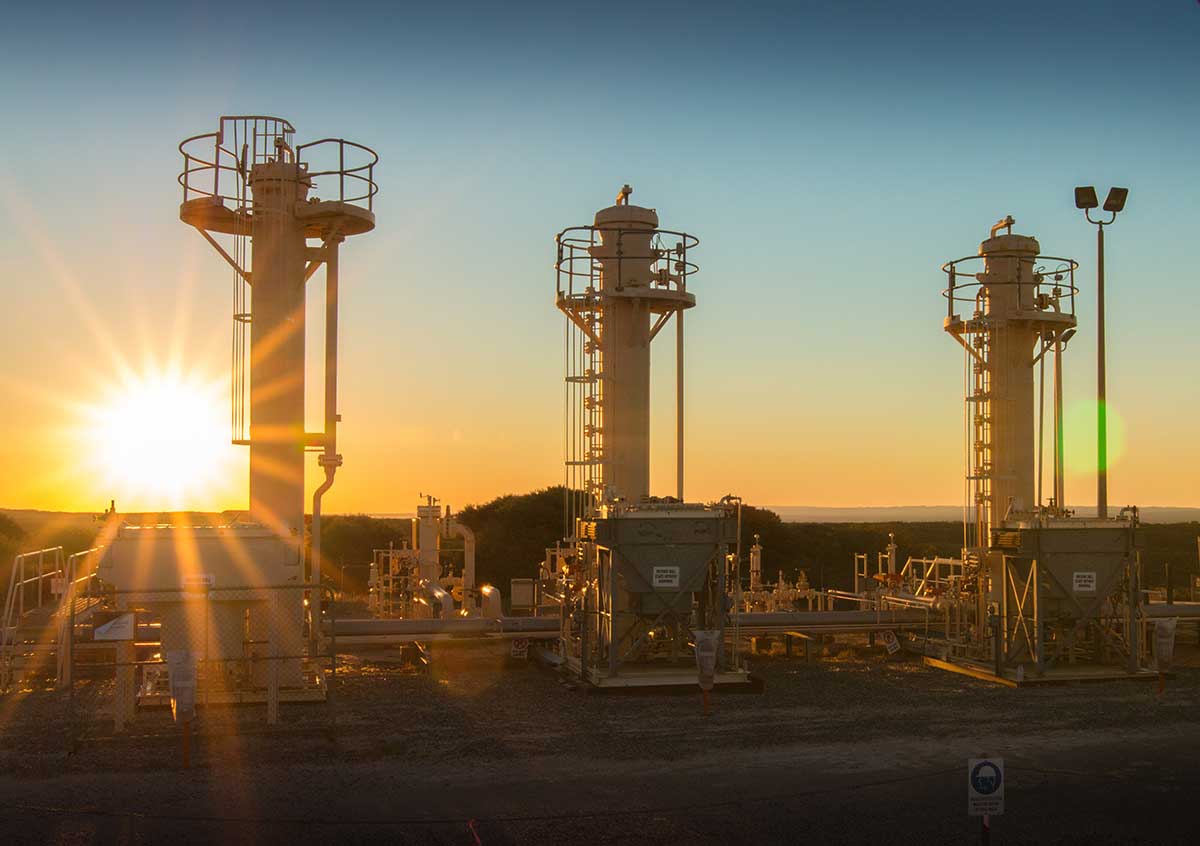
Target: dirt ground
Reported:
[(854, 749)]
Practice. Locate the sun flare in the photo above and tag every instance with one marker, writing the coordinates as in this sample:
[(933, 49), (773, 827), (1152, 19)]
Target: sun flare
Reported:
[(160, 441)]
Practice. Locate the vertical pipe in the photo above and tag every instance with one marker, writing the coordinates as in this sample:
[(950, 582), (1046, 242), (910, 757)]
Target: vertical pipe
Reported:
[(331, 343), (718, 610), (1041, 448), (1039, 652), (614, 646), (329, 459), (1133, 603), (1005, 576), (679, 404), (1059, 483), (1101, 389)]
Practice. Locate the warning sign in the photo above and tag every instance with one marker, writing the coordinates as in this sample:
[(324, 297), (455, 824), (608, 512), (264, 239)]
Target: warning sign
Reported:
[(199, 582), (890, 643), (1084, 581), (1164, 643), (985, 786), (666, 577), (118, 628)]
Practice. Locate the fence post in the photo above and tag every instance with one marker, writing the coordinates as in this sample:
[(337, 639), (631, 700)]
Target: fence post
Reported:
[(66, 639), (273, 682), (331, 607), (124, 701), (69, 664)]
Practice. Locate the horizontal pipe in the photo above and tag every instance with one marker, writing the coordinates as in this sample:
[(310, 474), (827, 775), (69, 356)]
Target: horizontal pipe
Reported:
[(1161, 610), (455, 626), (806, 619)]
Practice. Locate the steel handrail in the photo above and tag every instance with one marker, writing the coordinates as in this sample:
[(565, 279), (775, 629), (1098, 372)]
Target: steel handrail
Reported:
[(574, 261), (342, 172), (1066, 267), (226, 161)]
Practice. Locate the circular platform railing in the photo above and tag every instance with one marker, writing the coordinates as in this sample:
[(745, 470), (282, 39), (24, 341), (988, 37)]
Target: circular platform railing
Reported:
[(578, 271), (350, 165), (217, 165), (1053, 276)]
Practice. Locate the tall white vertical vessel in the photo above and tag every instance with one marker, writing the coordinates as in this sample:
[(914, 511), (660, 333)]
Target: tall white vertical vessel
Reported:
[(638, 576), (277, 213), (1049, 590)]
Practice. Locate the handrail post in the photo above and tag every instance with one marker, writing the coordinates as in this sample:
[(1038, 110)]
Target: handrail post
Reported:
[(950, 298)]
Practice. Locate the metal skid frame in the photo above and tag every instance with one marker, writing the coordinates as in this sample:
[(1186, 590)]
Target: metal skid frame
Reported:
[(1030, 634), (600, 651)]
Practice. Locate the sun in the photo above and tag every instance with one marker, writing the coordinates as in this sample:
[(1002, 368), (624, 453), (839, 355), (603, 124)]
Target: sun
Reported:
[(160, 441)]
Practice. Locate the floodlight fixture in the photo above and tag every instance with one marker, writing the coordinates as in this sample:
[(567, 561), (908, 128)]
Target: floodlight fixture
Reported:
[(1114, 202), (1085, 197)]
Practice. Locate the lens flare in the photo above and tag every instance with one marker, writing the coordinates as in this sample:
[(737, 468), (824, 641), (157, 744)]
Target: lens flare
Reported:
[(160, 440), (1079, 436)]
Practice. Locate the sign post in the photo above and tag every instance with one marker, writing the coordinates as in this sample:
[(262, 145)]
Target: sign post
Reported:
[(181, 672), (985, 792), (1164, 648), (708, 643)]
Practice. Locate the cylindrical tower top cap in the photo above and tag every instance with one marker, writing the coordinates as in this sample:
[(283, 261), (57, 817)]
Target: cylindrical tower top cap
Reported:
[(625, 216), (1019, 244), (632, 217)]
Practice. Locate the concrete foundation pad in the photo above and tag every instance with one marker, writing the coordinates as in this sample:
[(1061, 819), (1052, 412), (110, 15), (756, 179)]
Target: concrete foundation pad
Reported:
[(1057, 675)]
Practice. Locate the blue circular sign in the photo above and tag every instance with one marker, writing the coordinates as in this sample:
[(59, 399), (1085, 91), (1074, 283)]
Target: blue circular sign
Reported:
[(986, 778)]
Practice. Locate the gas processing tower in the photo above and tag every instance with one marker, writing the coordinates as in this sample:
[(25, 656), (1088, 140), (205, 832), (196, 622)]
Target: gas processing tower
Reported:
[(636, 576), (238, 598), (1043, 592)]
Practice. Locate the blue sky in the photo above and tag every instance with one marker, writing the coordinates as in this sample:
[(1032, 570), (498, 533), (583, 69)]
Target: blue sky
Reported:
[(829, 156)]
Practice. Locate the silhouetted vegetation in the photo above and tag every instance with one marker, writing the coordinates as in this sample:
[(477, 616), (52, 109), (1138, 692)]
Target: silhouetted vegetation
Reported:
[(12, 540), (513, 531)]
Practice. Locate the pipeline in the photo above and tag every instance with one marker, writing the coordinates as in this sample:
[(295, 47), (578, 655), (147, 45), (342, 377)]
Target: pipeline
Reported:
[(1161, 610), (437, 594), (463, 626), (832, 619), (329, 459), (453, 527)]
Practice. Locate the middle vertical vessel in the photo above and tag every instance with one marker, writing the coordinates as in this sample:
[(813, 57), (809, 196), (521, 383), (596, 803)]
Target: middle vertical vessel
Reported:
[(619, 282), (637, 575)]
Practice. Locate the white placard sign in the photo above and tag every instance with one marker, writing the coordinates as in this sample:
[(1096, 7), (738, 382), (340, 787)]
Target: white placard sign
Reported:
[(665, 577), (985, 786), (1084, 581), (118, 628), (890, 643), (1164, 643)]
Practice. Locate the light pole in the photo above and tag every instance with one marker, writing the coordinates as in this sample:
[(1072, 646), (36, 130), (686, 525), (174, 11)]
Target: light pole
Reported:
[(1085, 198)]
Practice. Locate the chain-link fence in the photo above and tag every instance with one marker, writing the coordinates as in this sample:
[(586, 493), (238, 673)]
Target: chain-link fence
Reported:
[(236, 658)]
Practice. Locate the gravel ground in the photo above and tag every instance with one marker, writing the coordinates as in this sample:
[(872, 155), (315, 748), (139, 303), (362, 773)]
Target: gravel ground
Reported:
[(856, 748)]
